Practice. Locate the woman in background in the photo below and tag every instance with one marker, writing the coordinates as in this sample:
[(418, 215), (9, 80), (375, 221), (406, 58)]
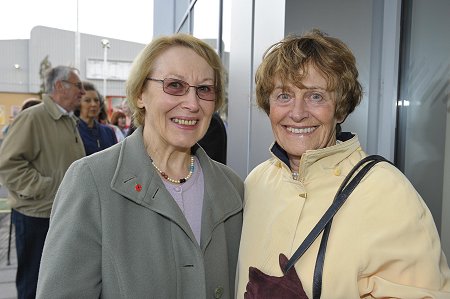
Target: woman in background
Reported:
[(95, 136), (119, 121)]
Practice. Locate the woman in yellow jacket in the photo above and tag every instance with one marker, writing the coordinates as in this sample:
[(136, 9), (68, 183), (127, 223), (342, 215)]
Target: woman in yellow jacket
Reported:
[(383, 242)]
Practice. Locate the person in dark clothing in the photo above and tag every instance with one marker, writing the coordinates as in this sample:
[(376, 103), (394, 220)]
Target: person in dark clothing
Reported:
[(215, 140), (131, 129), (95, 136)]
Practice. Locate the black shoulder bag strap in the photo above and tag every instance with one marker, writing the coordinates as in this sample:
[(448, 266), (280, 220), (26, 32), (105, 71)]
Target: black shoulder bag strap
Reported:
[(324, 223)]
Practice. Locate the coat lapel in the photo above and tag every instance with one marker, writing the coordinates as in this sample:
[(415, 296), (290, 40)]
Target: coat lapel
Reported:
[(136, 179), (221, 199)]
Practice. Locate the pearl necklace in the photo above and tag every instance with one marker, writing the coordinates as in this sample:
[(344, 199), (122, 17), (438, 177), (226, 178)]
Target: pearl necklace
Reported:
[(295, 175), (180, 181)]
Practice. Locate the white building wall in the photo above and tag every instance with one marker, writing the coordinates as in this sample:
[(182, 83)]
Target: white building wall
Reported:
[(59, 45), (11, 78)]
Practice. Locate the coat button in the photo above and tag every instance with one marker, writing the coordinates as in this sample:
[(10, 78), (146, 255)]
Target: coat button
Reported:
[(337, 171), (218, 292)]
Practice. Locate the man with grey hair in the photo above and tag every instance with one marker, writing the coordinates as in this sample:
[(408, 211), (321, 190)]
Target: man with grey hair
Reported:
[(41, 144)]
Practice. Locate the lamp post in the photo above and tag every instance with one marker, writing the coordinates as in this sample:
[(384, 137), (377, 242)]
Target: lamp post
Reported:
[(77, 42), (106, 45)]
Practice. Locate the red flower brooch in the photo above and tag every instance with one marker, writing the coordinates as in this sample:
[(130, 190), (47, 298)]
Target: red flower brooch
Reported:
[(138, 187)]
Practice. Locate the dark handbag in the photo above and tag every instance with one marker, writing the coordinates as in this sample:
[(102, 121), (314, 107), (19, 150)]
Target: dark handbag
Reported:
[(263, 286)]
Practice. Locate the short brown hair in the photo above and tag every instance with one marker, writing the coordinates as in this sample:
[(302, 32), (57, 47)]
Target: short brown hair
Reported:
[(115, 117), (143, 66), (288, 60)]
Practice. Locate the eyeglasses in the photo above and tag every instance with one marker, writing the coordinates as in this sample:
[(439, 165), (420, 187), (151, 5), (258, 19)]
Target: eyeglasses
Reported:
[(78, 85), (177, 87)]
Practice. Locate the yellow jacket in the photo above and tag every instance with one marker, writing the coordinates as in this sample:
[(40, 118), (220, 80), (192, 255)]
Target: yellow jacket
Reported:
[(383, 242)]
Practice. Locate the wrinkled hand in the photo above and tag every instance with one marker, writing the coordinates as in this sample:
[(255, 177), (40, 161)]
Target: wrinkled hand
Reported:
[(263, 286)]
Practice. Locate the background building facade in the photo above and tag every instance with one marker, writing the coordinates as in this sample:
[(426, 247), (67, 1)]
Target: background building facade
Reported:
[(23, 62)]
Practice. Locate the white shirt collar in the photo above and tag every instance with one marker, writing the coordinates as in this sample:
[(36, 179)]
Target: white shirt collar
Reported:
[(64, 111)]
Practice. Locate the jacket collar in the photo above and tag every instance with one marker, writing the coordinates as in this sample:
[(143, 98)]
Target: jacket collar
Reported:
[(53, 109), (85, 126), (220, 200), (347, 143), (136, 179)]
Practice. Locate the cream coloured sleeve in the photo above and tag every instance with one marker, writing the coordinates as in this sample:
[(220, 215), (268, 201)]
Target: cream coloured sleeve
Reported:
[(402, 256)]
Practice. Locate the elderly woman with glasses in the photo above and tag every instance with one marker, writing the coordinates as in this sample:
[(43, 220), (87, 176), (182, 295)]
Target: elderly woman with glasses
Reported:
[(153, 216)]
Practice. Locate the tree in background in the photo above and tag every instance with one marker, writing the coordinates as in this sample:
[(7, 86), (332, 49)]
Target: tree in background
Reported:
[(45, 65)]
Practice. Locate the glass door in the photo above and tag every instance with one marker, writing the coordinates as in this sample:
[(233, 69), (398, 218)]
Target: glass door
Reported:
[(423, 122)]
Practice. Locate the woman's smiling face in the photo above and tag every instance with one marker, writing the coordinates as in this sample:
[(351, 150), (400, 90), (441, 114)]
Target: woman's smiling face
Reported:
[(303, 118), (177, 121)]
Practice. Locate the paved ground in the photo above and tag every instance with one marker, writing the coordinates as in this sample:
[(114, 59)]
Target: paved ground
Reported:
[(7, 272)]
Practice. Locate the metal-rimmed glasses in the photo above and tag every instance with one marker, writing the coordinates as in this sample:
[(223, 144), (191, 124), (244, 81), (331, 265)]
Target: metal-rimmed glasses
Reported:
[(178, 87), (78, 85)]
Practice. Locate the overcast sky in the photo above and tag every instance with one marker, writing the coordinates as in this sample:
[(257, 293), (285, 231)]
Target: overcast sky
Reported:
[(130, 20)]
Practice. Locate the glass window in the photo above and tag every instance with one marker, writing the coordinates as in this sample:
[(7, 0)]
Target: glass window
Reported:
[(423, 130)]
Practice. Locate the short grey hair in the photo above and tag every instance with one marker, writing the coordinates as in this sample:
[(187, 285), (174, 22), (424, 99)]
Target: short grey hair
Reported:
[(57, 73)]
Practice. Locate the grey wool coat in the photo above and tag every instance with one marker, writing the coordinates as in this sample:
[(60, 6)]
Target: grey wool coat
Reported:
[(116, 232)]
